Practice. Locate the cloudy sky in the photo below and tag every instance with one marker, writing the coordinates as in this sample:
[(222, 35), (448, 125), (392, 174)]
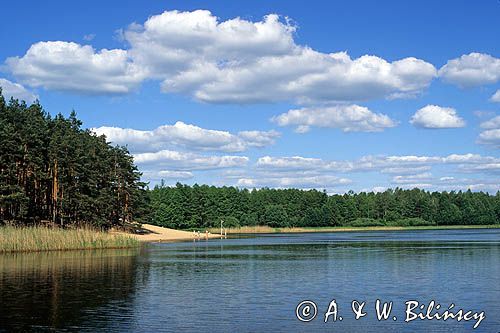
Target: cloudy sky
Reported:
[(361, 95)]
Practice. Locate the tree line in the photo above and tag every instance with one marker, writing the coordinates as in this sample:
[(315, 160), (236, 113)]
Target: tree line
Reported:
[(202, 206), (53, 170)]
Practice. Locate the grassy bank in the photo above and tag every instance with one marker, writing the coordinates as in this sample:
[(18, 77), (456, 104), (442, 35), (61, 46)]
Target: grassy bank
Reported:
[(33, 239), (269, 230)]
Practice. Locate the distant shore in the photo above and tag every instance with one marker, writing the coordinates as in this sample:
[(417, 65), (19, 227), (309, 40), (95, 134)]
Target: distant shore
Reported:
[(269, 230)]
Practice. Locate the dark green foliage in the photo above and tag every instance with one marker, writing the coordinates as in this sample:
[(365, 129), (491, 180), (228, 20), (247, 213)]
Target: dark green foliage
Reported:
[(184, 206), (412, 222), (366, 222), (52, 169)]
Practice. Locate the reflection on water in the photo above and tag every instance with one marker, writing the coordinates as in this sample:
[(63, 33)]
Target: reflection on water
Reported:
[(61, 289), (253, 284)]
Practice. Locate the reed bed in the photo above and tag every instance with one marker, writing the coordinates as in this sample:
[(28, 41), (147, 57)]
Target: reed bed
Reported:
[(34, 239), (270, 230)]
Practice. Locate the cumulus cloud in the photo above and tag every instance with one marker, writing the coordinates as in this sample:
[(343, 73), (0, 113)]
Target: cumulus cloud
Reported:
[(322, 181), (411, 179), (349, 118), (496, 97), (471, 70), (69, 66), (11, 89), (490, 137), (492, 123), (487, 167), (299, 163), (433, 116), (173, 41), (491, 133), (167, 175), (304, 76), (187, 136), (384, 164), (175, 160), (232, 61), (405, 170)]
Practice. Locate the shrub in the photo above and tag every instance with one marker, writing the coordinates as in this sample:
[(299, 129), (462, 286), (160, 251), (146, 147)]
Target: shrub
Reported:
[(366, 222)]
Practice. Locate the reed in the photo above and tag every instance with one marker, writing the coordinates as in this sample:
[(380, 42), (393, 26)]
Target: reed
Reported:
[(34, 239), (269, 230)]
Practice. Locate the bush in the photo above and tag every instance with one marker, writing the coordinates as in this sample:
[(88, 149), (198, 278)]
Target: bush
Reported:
[(275, 216), (411, 222), (231, 222)]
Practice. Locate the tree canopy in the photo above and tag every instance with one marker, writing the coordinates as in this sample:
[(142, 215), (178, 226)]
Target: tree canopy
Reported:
[(199, 206), (52, 169)]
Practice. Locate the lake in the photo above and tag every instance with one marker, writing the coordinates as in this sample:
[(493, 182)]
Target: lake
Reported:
[(254, 283)]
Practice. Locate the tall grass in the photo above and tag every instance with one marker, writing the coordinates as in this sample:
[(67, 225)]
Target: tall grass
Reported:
[(267, 229), (31, 239)]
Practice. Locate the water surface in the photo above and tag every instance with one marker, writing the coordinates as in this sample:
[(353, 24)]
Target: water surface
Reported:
[(253, 284)]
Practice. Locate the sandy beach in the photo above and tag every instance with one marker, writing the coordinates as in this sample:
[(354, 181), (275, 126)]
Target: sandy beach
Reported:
[(160, 234)]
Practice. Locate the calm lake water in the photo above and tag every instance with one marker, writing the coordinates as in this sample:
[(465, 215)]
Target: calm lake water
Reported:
[(253, 284)]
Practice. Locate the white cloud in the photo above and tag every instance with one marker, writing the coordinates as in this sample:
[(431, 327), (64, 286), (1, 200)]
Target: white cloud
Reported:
[(232, 61), (487, 167), (349, 118), (182, 161), (411, 179), (303, 76), (472, 69), (490, 137), (167, 175), (492, 123), (496, 97), (384, 164), (491, 134), (306, 173), (323, 181), (433, 116), (488, 187), (290, 163), (405, 170), (173, 41), (187, 136), (11, 89), (69, 66), (378, 189)]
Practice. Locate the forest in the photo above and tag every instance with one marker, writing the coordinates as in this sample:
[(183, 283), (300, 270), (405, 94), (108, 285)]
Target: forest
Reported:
[(54, 171), (196, 206)]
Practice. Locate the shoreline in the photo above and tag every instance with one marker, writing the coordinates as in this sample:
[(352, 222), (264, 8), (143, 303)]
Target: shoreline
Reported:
[(44, 239), (155, 234), (269, 230), (162, 234)]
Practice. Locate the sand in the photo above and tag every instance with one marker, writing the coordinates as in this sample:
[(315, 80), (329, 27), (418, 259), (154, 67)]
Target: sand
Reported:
[(160, 234)]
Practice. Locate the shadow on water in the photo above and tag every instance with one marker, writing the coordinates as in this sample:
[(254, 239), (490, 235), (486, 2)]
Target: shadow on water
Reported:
[(64, 290)]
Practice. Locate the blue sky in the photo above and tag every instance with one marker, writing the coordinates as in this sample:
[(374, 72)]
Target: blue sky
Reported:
[(330, 95)]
